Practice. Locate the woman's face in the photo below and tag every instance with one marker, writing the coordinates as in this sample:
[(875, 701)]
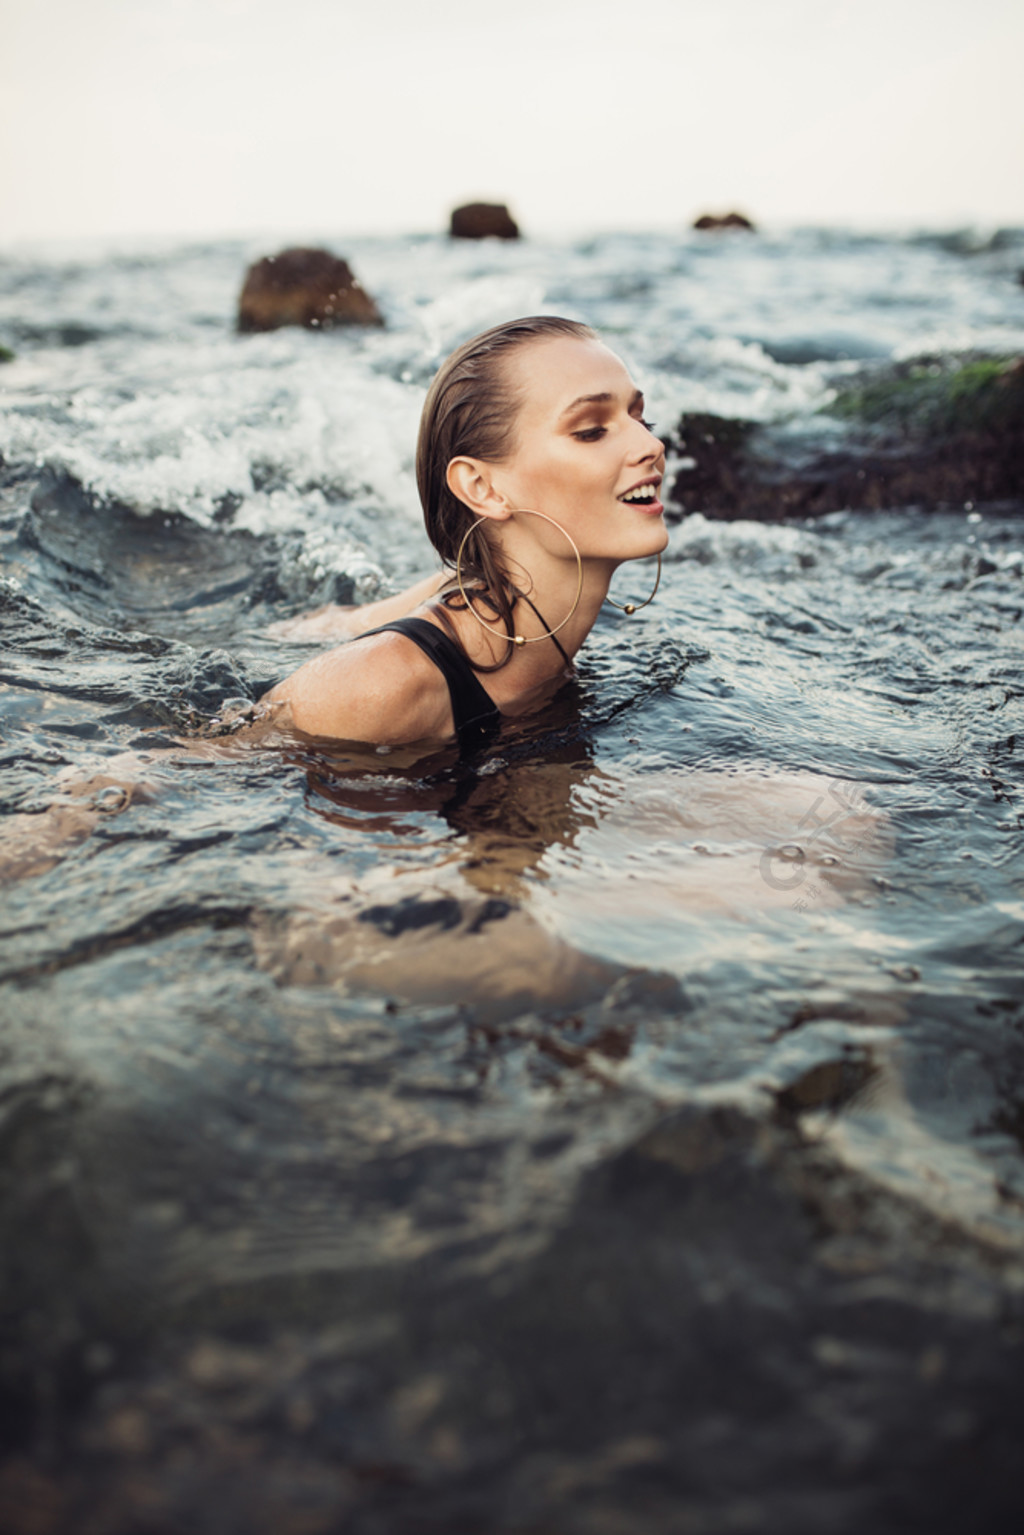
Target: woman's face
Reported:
[(582, 453)]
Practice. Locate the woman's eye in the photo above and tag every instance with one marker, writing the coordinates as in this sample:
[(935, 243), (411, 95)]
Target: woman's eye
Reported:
[(650, 425), (590, 434)]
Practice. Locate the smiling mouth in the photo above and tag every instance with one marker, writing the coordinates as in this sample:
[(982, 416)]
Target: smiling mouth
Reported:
[(641, 495)]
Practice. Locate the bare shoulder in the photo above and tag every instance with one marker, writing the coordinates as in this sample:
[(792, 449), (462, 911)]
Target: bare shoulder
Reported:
[(380, 689)]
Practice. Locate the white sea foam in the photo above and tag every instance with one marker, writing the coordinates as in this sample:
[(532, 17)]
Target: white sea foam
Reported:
[(285, 424), (129, 377), (474, 306)]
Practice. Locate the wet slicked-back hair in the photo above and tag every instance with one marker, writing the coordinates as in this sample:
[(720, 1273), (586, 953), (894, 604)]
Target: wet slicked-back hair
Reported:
[(470, 411)]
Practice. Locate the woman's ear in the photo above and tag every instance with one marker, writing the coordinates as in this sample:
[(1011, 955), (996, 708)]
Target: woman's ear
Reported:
[(469, 479)]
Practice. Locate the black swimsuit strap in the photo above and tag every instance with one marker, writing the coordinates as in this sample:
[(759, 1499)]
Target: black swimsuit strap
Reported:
[(476, 715), (551, 635)]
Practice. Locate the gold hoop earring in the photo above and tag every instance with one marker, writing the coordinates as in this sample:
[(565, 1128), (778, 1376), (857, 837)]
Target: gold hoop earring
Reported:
[(521, 639), (634, 607)]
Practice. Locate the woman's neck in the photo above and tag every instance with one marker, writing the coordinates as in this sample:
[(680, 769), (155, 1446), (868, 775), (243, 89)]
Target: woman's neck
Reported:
[(553, 620)]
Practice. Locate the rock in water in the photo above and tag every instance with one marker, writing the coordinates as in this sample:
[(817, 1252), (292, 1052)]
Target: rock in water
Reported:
[(928, 431), (718, 221), (303, 287), (475, 221)]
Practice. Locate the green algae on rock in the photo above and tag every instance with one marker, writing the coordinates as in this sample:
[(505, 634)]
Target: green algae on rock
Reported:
[(938, 395)]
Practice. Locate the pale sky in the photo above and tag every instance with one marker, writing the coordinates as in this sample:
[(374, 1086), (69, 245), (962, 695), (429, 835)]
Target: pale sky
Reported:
[(132, 118)]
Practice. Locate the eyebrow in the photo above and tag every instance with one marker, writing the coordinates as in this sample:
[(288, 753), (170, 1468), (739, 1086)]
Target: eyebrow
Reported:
[(599, 399)]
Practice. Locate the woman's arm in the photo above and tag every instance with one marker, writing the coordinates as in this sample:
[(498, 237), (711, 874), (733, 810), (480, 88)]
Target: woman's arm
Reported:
[(341, 622), (383, 691)]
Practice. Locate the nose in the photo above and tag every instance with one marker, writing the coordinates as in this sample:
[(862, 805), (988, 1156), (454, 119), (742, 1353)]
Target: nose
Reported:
[(648, 445)]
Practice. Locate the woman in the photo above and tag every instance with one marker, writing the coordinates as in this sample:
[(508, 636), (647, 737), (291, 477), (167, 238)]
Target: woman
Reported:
[(538, 477)]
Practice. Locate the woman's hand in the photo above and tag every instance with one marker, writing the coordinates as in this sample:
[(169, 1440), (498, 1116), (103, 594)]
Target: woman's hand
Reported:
[(31, 843)]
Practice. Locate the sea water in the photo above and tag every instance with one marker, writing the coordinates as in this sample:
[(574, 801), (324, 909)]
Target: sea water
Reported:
[(275, 1017)]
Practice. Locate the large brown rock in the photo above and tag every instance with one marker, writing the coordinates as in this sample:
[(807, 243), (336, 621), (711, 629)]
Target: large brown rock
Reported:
[(476, 221), (927, 432), (304, 287), (720, 221)]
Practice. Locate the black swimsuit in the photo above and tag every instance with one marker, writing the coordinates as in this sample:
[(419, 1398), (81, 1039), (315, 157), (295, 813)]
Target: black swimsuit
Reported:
[(476, 715)]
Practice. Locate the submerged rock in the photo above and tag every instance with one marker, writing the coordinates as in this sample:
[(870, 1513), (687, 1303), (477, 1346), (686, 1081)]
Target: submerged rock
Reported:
[(930, 432), (6, 355), (719, 221), (304, 286), (478, 221)]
